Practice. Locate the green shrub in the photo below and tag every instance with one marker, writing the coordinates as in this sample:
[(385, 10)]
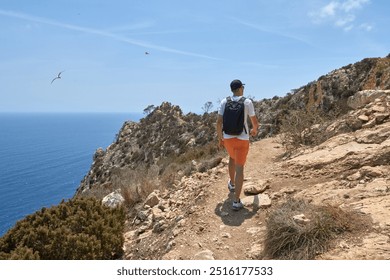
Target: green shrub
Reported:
[(78, 229)]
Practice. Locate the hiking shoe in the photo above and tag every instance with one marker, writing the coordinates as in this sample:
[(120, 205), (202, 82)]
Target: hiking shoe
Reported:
[(231, 186), (237, 205)]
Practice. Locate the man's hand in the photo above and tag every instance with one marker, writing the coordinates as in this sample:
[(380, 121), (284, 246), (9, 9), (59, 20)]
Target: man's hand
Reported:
[(253, 132)]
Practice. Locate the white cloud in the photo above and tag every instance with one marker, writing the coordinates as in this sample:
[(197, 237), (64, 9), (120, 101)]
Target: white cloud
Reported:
[(351, 5), (344, 21), (342, 14), (366, 27), (329, 10)]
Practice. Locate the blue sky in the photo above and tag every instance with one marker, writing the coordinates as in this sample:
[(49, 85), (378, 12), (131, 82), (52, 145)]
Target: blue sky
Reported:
[(195, 49)]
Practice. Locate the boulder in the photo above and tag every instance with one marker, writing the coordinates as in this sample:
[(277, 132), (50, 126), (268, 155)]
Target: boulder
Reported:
[(259, 200), (99, 154), (364, 97), (301, 219), (204, 255), (152, 200), (113, 199), (253, 189)]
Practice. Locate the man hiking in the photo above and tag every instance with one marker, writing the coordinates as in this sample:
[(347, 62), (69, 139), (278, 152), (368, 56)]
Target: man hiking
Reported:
[(233, 134)]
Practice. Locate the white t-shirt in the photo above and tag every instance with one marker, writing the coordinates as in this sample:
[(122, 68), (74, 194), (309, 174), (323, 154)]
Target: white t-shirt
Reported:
[(249, 111)]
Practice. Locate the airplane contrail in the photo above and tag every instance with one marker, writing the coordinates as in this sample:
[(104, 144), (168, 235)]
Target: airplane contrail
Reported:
[(274, 32), (93, 31)]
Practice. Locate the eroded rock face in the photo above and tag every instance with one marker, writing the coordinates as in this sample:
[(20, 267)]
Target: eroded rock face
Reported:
[(163, 135), (359, 83), (362, 98), (368, 146), (166, 133)]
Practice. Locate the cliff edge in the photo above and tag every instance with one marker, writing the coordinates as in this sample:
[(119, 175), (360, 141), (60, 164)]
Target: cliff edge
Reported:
[(170, 174)]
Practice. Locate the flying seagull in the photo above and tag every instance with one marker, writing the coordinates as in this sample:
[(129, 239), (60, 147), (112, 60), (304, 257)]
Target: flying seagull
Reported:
[(58, 77)]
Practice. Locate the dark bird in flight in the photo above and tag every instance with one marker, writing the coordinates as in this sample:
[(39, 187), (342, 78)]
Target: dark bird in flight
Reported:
[(146, 53), (58, 77)]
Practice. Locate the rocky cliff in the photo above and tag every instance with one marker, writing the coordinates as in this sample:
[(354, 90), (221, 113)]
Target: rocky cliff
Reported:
[(169, 161), (329, 93), (167, 140), (164, 141)]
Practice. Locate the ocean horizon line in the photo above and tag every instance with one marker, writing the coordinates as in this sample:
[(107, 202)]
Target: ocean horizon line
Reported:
[(53, 112)]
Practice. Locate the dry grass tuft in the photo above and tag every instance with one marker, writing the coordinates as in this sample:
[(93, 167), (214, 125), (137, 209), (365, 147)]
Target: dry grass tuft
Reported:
[(135, 185), (288, 240)]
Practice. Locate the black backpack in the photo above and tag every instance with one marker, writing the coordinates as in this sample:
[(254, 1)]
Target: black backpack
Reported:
[(233, 116)]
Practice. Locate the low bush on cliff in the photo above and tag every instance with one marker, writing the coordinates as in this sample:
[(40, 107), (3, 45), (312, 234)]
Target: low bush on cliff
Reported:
[(304, 128), (79, 229), (290, 240)]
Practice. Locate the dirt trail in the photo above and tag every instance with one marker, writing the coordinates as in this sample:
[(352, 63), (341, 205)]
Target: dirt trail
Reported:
[(195, 219), (215, 231), (219, 232)]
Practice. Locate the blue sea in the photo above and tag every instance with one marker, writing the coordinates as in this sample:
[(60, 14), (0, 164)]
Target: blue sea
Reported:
[(44, 156)]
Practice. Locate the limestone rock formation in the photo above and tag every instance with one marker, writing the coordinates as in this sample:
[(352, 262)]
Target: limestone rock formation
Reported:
[(154, 143), (330, 92)]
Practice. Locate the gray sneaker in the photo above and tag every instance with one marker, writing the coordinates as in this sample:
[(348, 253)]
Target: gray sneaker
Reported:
[(231, 186), (237, 205)]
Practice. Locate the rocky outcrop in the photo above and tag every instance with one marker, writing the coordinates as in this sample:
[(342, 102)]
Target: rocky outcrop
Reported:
[(329, 93), (362, 98), (112, 200), (351, 168), (357, 165), (157, 141), (369, 145), (164, 215)]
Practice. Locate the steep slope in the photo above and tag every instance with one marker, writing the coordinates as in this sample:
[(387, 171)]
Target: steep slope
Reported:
[(165, 141), (194, 219), (168, 171), (329, 93)]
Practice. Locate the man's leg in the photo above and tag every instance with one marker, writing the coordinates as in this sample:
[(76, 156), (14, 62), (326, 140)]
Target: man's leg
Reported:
[(239, 180), (232, 170), (229, 145), (241, 154)]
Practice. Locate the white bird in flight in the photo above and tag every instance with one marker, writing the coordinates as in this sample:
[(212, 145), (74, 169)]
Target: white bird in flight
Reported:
[(58, 77)]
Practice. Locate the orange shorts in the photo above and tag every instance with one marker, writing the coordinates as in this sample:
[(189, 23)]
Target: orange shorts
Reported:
[(237, 149)]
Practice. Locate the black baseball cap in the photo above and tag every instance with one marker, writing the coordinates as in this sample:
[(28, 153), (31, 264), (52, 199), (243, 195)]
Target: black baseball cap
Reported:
[(235, 84)]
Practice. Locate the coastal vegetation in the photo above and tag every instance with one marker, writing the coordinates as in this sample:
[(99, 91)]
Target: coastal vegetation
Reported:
[(79, 229), (150, 165)]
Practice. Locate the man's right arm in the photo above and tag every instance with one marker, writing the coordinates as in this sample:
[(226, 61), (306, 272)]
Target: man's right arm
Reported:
[(255, 126)]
